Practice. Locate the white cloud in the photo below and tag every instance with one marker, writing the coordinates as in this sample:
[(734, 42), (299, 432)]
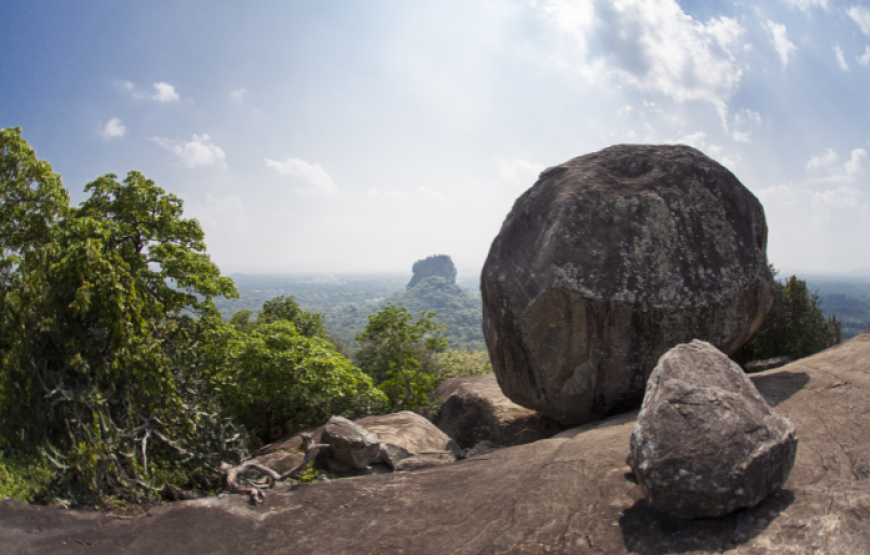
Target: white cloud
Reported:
[(861, 15), (625, 110), (239, 94), (840, 59), (434, 195), (779, 38), (651, 45), (519, 172), (308, 178), (847, 173), (113, 128), (824, 201), (388, 194), (865, 58), (198, 152), (699, 140), (826, 159), (805, 5), (165, 92), (742, 119)]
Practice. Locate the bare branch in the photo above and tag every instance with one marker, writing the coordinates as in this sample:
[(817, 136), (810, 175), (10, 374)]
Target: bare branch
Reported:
[(257, 495)]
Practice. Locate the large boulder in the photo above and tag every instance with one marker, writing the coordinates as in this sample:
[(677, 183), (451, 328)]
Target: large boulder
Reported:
[(571, 494), (474, 409), (608, 261), (405, 434), (706, 443)]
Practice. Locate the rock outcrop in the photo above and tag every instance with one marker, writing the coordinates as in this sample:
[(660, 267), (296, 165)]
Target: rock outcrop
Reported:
[(706, 443), (405, 434), (566, 495), (474, 409), (350, 443), (608, 261), (434, 266)]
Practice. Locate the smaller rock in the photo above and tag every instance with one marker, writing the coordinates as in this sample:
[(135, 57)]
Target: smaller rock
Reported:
[(407, 432), (391, 454), (474, 409), (768, 364), (350, 443), (706, 443)]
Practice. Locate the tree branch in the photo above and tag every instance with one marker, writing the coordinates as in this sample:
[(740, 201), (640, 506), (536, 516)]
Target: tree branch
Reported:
[(257, 495)]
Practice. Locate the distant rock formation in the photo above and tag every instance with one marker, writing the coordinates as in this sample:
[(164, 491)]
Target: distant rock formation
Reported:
[(439, 265), (608, 261), (706, 443)]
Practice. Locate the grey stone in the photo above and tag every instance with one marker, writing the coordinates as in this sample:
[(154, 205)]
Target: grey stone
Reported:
[(409, 432), (425, 460), (608, 261), (706, 443), (350, 443), (483, 448), (474, 409)]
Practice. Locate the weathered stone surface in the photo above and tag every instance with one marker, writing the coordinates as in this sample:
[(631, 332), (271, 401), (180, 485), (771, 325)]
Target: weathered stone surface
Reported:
[(350, 443), (706, 443), (767, 364), (608, 261), (474, 409), (572, 494), (483, 448), (425, 460), (404, 434), (439, 265)]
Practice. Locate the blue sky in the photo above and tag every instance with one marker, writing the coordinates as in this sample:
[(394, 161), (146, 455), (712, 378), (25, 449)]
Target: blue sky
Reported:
[(364, 135)]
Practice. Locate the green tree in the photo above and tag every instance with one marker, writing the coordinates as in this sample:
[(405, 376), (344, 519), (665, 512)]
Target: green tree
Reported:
[(105, 308), (795, 326), (277, 381), (308, 324), (399, 352)]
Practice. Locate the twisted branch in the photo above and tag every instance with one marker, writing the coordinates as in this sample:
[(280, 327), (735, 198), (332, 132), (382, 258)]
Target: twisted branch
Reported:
[(257, 495)]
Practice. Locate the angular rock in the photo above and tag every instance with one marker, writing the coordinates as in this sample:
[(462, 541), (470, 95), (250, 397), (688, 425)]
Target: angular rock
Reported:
[(608, 261), (474, 409), (406, 434), (483, 448), (350, 443), (767, 364), (706, 443)]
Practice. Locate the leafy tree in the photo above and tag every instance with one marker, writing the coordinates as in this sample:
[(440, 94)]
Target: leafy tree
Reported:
[(277, 381), (399, 354), (456, 364), (308, 324), (104, 311), (795, 327)]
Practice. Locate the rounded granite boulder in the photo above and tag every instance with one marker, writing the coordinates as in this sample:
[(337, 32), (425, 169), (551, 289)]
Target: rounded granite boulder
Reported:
[(608, 261)]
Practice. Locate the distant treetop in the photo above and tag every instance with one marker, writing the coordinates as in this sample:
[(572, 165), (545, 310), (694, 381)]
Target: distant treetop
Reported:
[(439, 265)]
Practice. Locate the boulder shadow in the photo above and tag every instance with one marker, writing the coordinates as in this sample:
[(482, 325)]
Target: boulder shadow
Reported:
[(778, 387), (646, 531)]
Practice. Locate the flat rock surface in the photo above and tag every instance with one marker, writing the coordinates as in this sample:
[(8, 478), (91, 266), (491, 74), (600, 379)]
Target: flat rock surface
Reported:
[(569, 494)]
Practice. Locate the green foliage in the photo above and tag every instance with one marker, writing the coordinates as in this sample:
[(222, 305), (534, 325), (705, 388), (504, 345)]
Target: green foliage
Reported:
[(276, 381), (25, 477), (457, 364), (460, 310), (308, 324), (399, 354), (795, 327), (309, 473), (105, 308)]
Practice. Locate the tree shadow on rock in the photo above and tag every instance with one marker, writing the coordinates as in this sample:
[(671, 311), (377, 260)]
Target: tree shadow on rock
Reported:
[(646, 531), (776, 388)]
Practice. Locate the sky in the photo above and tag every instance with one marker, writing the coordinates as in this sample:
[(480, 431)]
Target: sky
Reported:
[(361, 136)]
